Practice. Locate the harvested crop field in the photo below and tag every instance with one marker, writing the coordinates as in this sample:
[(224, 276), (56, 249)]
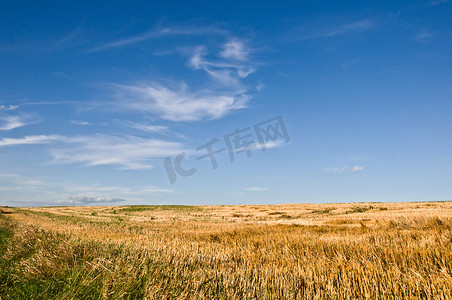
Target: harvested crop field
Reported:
[(292, 251)]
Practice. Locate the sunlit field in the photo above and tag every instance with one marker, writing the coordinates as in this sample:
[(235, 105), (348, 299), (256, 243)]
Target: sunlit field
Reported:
[(293, 251)]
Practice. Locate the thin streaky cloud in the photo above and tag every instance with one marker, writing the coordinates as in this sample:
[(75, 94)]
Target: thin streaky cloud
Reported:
[(9, 188), (158, 33), (30, 140), (266, 145), (255, 189), (78, 122), (74, 38), (353, 27), (424, 35), (76, 188), (336, 170), (9, 122), (337, 30), (20, 180), (131, 40), (147, 127), (438, 2), (344, 169), (127, 152)]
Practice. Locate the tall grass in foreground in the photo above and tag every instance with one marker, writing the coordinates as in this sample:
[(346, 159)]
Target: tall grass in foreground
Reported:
[(399, 259)]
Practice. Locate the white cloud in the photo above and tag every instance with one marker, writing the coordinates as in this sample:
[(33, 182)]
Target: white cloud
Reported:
[(78, 122), (22, 188), (341, 169), (437, 2), (255, 189), (423, 36), (117, 190), (159, 32), (9, 188), (8, 107), (358, 168), (275, 144), (180, 104), (260, 86), (128, 152), (28, 140), (353, 27), (336, 170), (153, 189), (9, 122), (338, 30), (344, 169), (234, 49), (221, 95), (74, 200), (223, 71), (146, 127), (266, 145), (18, 179)]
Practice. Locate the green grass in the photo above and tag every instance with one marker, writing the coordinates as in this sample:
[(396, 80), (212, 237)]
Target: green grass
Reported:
[(62, 267), (64, 218), (323, 211), (5, 232), (358, 209), (48, 265), (71, 219)]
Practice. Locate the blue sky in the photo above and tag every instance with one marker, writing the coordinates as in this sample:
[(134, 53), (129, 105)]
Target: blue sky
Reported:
[(94, 95)]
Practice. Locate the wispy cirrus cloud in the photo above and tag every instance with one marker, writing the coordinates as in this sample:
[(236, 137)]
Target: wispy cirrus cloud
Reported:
[(437, 2), (127, 152), (109, 190), (20, 180), (159, 32), (323, 32), (146, 127), (78, 122), (9, 188), (255, 189), (423, 35), (227, 72), (10, 122), (223, 93), (353, 27), (336, 170), (30, 140), (179, 104), (344, 169)]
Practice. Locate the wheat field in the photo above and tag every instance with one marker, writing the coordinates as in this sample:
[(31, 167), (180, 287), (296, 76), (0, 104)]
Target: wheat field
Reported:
[(291, 251)]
